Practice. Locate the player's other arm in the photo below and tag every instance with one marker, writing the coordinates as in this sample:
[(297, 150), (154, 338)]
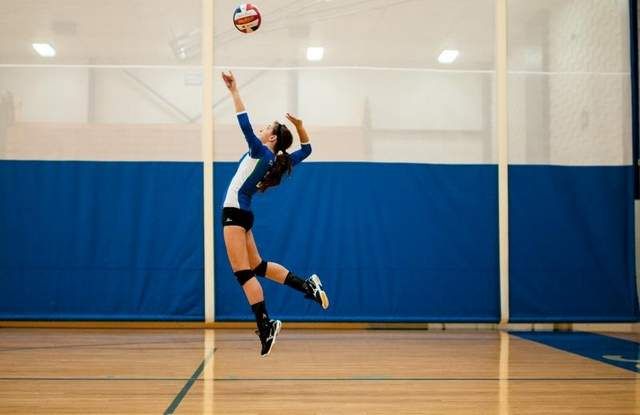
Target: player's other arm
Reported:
[(305, 149)]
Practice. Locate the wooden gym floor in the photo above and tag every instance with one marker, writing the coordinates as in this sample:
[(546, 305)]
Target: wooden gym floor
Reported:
[(192, 371)]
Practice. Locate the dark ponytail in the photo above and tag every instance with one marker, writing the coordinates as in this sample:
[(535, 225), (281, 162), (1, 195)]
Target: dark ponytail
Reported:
[(282, 163)]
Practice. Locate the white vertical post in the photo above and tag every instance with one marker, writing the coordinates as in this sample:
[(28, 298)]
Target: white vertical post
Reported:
[(207, 157), (503, 155)]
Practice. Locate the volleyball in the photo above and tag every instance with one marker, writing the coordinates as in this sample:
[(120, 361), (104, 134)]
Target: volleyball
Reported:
[(247, 18)]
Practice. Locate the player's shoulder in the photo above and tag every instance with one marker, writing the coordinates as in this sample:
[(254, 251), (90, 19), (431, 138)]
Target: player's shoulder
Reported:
[(263, 153), (268, 154)]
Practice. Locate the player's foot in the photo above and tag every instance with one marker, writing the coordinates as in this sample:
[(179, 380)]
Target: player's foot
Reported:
[(268, 336), (315, 291)]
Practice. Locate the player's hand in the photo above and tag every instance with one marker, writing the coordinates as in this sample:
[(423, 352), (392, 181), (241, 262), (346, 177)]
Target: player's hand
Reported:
[(294, 120), (229, 81)]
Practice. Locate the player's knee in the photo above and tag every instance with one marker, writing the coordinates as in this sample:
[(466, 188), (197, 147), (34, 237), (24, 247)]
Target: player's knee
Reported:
[(261, 269), (244, 275)]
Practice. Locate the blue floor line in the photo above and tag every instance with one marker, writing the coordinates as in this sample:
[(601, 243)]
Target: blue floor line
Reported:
[(613, 351)]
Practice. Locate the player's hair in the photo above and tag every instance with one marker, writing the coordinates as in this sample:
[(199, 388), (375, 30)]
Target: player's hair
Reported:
[(282, 163)]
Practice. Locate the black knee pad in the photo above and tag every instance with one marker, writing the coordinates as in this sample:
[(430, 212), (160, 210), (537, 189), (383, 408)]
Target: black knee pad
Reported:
[(244, 276), (261, 270)]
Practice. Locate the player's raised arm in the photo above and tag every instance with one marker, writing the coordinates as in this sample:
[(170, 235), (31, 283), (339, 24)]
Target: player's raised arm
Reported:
[(255, 146), (232, 86)]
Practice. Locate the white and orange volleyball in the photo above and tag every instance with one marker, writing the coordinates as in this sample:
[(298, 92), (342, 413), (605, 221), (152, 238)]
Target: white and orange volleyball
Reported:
[(247, 18)]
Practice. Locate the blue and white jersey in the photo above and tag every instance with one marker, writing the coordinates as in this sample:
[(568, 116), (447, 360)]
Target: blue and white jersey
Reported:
[(253, 166)]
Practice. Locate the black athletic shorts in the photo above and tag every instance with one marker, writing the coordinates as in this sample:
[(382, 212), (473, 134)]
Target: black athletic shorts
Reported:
[(237, 217)]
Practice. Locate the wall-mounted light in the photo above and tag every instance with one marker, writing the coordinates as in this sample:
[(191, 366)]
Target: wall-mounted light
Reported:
[(315, 53), (448, 56), (44, 49)]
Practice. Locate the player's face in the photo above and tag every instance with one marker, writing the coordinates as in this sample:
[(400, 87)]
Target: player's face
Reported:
[(266, 132)]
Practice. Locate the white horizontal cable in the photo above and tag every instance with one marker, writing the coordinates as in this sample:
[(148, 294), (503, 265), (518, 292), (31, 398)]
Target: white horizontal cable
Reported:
[(313, 68)]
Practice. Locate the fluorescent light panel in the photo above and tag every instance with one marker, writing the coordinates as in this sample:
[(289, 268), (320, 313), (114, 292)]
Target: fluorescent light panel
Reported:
[(315, 53), (448, 56), (44, 49)]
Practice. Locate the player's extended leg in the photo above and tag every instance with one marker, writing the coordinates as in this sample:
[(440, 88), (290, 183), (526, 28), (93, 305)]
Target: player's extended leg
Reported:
[(311, 287), (235, 242)]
